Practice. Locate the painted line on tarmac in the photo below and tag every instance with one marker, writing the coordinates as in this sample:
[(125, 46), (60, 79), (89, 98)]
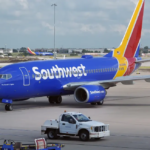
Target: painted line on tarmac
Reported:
[(18, 129)]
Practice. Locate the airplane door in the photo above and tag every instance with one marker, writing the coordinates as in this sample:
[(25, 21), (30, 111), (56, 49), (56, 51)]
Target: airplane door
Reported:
[(26, 77)]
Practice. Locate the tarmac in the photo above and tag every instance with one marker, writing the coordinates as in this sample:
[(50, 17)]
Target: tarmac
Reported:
[(126, 109)]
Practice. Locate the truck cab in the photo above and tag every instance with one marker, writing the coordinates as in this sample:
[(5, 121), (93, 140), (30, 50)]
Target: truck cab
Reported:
[(75, 124)]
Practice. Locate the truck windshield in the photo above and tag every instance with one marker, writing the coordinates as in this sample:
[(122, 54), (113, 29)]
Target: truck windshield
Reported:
[(81, 118)]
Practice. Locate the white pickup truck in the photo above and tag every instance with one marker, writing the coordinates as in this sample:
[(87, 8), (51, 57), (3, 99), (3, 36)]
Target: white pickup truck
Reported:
[(75, 124)]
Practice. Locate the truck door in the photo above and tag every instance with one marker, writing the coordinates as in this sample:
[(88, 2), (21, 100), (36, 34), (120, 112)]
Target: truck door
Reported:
[(66, 127), (26, 77)]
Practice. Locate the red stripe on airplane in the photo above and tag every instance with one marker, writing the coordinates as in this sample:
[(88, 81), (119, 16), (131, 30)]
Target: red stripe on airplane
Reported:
[(136, 35), (30, 51), (131, 66)]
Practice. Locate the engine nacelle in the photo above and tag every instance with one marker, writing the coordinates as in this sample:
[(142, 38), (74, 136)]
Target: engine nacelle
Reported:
[(89, 94)]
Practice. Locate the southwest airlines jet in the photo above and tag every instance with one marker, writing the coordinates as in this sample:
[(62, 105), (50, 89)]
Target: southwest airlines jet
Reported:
[(86, 78), (40, 53)]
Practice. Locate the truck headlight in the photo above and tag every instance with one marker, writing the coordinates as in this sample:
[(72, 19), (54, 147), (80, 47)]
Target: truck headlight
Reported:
[(92, 128)]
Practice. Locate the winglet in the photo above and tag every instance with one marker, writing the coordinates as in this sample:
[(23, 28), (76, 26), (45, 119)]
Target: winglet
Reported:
[(31, 52)]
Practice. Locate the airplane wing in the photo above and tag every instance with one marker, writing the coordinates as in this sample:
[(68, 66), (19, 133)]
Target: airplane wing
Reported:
[(142, 61), (128, 80)]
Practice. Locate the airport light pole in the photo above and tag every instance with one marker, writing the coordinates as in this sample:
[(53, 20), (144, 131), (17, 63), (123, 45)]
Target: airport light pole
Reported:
[(54, 30)]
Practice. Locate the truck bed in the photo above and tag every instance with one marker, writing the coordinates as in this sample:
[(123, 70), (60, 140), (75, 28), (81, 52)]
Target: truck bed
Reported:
[(52, 124)]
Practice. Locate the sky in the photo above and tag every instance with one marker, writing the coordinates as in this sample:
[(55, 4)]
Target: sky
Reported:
[(79, 24)]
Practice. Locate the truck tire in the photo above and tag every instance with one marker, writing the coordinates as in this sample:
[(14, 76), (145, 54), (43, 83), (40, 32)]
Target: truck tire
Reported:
[(52, 134), (84, 135)]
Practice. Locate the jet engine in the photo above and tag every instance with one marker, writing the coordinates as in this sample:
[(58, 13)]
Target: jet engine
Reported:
[(89, 94)]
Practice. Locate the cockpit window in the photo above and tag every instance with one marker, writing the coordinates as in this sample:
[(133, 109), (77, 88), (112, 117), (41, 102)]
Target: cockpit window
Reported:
[(5, 76)]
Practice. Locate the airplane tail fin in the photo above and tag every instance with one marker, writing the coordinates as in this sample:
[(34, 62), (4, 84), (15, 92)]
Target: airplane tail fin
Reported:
[(130, 44), (31, 52)]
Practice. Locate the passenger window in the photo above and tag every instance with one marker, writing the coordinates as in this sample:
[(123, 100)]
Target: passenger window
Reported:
[(75, 72), (38, 75), (44, 75)]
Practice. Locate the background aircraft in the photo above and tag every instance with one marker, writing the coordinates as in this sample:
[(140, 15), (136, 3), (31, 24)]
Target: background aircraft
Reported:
[(87, 78), (40, 53)]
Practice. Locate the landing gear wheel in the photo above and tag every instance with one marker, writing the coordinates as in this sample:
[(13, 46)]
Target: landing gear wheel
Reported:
[(8, 107), (52, 134), (97, 138), (51, 99), (84, 135), (93, 103), (100, 102), (58, 100)]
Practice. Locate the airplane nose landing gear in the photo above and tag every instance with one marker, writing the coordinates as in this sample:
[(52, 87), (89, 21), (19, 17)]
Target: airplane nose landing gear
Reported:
[(8, 107)]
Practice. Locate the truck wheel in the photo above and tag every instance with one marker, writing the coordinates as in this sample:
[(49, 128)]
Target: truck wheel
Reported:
[(52, 134), (84, 135), (58, 100)]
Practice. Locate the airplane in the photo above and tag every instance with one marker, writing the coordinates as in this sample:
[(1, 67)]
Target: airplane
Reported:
[(87, 78), (39, 53)]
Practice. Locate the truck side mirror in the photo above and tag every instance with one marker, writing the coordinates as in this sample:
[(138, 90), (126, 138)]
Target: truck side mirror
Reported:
[(89, 117)]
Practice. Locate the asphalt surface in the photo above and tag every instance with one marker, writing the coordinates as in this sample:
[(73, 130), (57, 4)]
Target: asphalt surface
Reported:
[(126, 109)]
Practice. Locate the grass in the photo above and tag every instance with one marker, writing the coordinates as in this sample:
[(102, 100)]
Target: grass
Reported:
[(144, 67)]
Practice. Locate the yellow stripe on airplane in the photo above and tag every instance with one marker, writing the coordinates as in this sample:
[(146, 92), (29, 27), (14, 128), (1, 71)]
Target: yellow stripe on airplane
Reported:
[(119, 52)]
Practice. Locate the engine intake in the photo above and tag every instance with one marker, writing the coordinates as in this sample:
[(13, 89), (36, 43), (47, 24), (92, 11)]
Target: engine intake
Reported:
[(89, 94)]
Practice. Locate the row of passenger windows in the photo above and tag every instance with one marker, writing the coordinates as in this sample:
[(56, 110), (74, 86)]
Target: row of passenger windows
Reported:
[(5, 76), (80, 72)]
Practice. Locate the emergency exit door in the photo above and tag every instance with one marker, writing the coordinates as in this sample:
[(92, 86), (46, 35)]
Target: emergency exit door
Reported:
[(26, 77)]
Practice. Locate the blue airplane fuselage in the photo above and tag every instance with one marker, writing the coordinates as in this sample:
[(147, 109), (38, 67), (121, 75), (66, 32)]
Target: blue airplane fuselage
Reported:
[(44, 53), (46, 78)]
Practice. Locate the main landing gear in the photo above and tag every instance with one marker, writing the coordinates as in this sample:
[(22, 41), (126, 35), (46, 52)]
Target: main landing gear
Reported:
[(55, 99), (8, 107), (98, 103)]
